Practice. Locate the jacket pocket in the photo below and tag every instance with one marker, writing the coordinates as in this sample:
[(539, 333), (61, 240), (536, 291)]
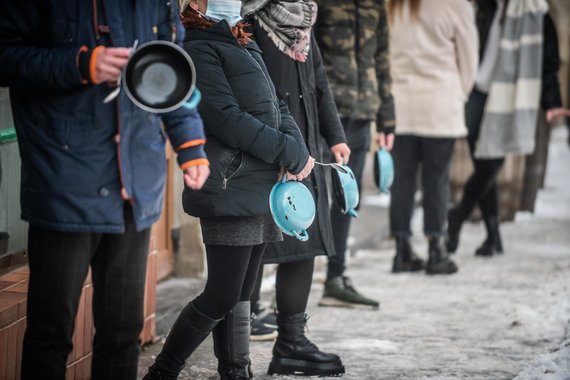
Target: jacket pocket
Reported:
[(71, 134), (232, 169)]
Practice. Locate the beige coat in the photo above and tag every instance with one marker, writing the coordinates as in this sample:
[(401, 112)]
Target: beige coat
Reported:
[(433, 62)]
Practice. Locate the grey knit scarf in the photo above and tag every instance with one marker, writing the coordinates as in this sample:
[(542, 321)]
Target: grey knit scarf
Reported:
[(287, 22), (509, 120)]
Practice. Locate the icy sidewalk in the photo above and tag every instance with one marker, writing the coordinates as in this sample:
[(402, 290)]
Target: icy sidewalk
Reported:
[(497, 318)]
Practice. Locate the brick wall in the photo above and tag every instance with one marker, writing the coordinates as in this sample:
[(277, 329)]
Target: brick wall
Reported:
[(13, 290)]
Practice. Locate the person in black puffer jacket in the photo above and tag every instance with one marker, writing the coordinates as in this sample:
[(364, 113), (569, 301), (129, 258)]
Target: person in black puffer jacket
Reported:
[(250, 136)]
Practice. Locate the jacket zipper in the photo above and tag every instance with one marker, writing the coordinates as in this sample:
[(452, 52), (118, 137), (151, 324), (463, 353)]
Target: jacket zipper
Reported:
[(226, 179)]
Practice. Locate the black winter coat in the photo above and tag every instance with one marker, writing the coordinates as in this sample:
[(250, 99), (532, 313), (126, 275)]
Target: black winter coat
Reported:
[(304, 86), (249, 131)]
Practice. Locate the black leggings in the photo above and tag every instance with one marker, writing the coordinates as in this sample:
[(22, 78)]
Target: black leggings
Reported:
[(481, 187), (292, 286), (232, 272)]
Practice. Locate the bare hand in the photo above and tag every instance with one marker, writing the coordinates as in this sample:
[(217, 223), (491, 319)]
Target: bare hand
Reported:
[(109, 63), (385, 140), (555, 113), (195, 176), (304, 173), (341, 153)]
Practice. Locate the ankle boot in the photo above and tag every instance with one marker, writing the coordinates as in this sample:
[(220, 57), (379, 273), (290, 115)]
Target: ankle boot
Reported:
[(455, 219), (231, 343), (439, 262), (406, 259), (492, 243), (294, 354), (189, 330)]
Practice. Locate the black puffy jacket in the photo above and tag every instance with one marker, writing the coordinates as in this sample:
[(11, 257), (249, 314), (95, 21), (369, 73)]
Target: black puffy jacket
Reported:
[(250, 132)]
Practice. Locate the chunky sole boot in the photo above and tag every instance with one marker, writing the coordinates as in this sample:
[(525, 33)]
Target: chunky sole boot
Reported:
[(231, 343), (439, 262), (297, 367), (294, 354), (406, 259)]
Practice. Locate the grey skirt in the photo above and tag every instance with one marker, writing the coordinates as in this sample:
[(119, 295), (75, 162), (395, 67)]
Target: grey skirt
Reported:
[(240, 230)]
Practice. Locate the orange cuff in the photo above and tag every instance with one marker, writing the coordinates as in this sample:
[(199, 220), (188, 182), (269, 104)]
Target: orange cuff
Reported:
[(92, 73), (191, 143), (82, 49), (197, 161)]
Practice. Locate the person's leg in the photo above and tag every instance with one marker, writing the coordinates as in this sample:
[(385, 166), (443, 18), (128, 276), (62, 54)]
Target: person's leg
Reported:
[(232, 335), (489, 205), (339, 290), (58, 263), (292, 286), (255, 294), (436, 162), (293, 353), (406, 153), (358, 139), (119, 273), (474, 109), (263, 325), (227, 268)]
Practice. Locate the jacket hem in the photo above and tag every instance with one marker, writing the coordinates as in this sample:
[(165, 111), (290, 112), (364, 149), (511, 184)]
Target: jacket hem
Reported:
[(74, 227)]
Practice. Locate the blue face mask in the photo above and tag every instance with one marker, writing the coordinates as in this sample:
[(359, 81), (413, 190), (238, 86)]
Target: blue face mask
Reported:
[(228, 10)]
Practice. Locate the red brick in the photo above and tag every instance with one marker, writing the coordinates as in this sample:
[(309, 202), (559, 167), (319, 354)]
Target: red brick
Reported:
[(21, 287), (70, 373), (11, 349), (80, 327), (89, 330), (150, 288), (14, 277), (3, 352), (6, 284), (25, 269), (10, 306), (21, 330)]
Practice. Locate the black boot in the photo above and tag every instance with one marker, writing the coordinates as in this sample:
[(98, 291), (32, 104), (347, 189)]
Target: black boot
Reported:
[(231, 343), (455, 219), (406, 259), (294, 354), (492, 243), (439, 262), (189, 330)]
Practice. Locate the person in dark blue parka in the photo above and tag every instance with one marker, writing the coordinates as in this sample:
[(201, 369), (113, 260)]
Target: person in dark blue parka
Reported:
[(93, 174)]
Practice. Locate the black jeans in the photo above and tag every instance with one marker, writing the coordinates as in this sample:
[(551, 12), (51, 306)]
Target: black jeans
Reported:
[(58, 263), (481, 187), (358, 137), (434, 155)]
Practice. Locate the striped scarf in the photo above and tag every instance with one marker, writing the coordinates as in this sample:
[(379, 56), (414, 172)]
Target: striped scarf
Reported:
[(511, 110)]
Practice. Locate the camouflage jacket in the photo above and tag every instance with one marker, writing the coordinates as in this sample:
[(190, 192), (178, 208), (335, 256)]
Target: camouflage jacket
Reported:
[(353, 37)]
